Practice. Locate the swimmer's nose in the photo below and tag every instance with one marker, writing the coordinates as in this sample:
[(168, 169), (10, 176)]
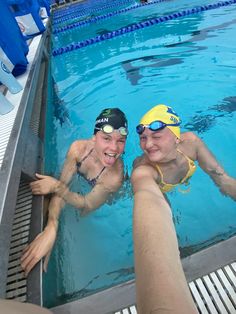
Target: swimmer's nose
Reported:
[(149, 142), (113, 146)]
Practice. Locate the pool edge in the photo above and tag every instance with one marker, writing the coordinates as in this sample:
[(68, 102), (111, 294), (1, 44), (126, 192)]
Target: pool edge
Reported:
[(122, 296)]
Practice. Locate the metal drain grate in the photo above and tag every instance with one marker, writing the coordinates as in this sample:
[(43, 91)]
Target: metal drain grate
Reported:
[(214, 293), (16, 281), (129, 310)]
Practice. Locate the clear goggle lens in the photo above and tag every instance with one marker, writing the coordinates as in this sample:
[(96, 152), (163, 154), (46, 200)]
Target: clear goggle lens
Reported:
[(108, 129)]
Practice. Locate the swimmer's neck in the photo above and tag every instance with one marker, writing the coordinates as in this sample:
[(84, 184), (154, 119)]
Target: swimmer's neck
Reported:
[(95, 158), (171, 159), (93, 155)]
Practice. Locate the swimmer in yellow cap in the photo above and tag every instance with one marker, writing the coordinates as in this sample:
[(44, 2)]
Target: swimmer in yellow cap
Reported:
[(168, 161), (172, 155)]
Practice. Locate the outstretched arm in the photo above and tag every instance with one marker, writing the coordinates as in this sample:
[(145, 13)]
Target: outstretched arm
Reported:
[(42, 245), (210, 165), (160, 282)]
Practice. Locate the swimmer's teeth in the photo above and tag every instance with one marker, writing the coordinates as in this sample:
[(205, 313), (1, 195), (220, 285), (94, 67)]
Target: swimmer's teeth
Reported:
[(111, 155)]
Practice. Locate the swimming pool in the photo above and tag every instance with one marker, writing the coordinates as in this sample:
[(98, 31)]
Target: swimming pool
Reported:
[(188, 63)]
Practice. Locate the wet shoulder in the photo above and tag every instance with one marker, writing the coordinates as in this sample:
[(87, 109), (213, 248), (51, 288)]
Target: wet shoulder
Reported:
[(188, 144), (188, 136), (79, 148), (142, 167), (140, 161)]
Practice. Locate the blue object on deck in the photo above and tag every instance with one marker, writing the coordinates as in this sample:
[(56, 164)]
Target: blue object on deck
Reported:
[(12, 41), (27, 14), (45, 4), (8, 79), (5, 105)]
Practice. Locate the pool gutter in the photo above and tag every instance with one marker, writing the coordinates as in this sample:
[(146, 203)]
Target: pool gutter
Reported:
[(22, 158)]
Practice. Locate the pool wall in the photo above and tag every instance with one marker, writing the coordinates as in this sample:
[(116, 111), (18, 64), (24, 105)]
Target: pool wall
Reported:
[(19, 224)]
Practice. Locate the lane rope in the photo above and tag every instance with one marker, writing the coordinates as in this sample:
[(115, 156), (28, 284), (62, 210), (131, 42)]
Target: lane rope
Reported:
[(102, 17), (140, 25), (89, 6), (84, 13)]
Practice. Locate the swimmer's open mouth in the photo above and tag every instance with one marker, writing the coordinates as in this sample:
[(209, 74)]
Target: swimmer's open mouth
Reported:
[(110, 158), (111, 155), (152, 151)]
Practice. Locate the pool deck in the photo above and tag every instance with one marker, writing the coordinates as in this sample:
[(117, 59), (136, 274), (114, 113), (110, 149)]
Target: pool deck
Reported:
[(7, 120)]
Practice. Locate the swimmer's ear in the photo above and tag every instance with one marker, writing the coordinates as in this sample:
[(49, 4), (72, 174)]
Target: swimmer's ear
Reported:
[(93, 138)]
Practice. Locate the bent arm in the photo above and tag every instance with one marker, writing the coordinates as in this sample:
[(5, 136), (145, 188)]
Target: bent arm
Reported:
[(92, 200), (210, 165), (42, 245), (56, 204), (98, 195), (160, 282)]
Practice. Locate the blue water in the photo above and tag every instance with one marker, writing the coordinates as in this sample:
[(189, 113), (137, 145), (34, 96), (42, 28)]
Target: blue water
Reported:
[(90, 12), (188, 63)]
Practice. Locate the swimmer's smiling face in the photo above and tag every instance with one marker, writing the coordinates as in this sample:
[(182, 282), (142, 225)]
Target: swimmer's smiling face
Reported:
[(109, 147), (159, 146)]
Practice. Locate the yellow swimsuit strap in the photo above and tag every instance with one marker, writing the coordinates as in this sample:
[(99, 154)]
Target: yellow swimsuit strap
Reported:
[(191, 167), (166, 187)]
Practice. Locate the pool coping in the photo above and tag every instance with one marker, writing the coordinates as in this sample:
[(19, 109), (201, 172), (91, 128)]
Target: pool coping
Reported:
[(123, 295)]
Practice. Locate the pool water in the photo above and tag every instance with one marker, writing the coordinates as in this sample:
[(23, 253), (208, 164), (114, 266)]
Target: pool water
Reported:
[(138, 14), (188, 63)]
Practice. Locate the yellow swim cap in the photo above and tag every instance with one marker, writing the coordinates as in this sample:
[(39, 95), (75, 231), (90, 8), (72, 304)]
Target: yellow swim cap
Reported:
[(164, 114)]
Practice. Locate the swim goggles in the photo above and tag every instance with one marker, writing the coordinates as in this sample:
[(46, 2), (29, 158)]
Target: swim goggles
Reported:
[(108, 129), (154, 126)]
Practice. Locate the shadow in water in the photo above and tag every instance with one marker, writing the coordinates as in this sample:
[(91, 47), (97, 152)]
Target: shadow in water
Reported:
[(189, 250), (133, 72), (61, 113), (126, 273), (203, 121), (102, 31)]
